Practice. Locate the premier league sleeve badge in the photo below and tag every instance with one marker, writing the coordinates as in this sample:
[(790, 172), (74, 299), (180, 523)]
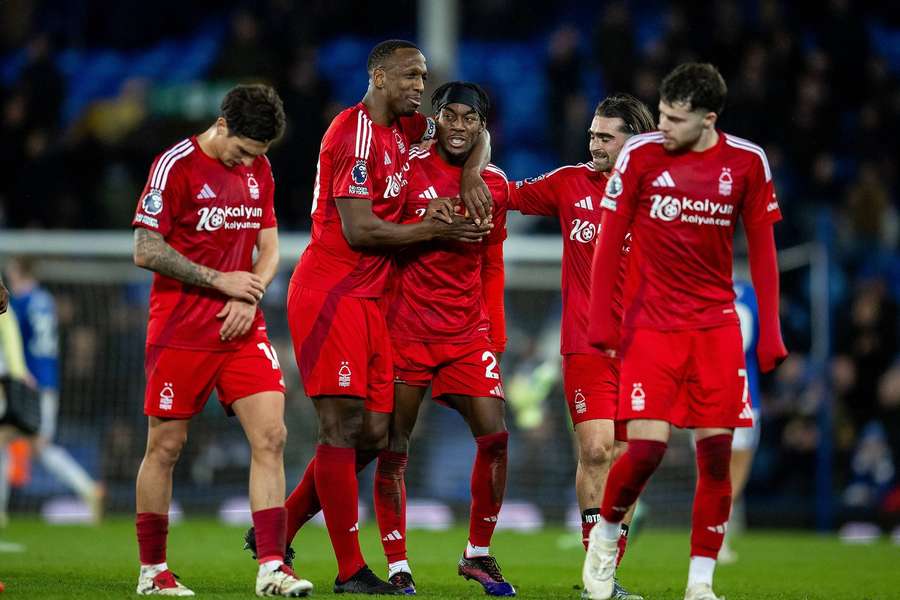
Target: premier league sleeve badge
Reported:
[(152, 203)]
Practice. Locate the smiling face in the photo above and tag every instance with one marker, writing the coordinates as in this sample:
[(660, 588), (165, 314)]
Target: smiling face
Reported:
[(607, 135), (458, 128), (402, 78), (683, 127), (233, 150)]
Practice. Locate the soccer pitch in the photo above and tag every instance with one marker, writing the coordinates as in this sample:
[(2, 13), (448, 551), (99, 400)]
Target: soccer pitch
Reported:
[(75, 562)]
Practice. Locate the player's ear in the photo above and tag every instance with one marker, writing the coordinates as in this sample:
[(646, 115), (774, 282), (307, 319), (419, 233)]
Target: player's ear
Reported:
[(378, 77), (221, 126), (709, 120)]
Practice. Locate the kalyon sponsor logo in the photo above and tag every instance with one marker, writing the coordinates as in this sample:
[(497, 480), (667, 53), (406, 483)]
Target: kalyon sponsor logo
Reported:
[(394, 182), (697, 212), (582, 231), (228, 217)]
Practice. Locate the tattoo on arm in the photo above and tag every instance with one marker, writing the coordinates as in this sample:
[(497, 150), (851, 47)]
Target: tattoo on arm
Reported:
[(159, 256)]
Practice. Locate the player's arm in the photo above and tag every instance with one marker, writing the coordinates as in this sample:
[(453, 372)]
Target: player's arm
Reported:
[(472, 188), (11, 348), (4, 297), (363, 229), (238, 315), (534, 196), (770, 350), (492, 286), (603, 328), (152, 252)]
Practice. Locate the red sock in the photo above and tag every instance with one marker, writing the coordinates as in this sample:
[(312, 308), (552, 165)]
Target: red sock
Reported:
[(303, 503), (338, 489), (269, 525), (589, 518), (488, 485), (152, 530), (623, 542), (390, 503), (628, 476), (712, 500)]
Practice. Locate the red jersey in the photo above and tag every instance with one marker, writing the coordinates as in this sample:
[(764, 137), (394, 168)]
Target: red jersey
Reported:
[(683, 208), (357, 159), (438, 294), (571, 194), (211, 214)]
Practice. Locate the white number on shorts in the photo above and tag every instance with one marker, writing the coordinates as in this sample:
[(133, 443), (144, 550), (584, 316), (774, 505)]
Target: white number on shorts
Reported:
[(490, 371), (269, 351), (743, 373)]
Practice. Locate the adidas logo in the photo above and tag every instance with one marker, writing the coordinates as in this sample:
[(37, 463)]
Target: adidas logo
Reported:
[(394, 536), (747, 413), (355, 528), (664, 180), (720, 529), (430, 193), (206, 193), (490, 519), (387, 159), (498, 391), (585, 203)]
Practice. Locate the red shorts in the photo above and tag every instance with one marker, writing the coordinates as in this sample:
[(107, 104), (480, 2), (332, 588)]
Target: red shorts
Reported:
[(691, 378), (591, 386), (179, 381), (468, 369), (342, 347)]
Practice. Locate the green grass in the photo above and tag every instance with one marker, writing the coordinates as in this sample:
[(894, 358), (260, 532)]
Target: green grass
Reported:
[(74, 562)]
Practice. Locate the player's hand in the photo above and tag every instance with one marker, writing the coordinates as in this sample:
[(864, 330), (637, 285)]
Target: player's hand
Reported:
[(425, 144), (441, 209), (4, 298), (238, 317), (771, 352), (241, 285), (476, 196), (604, 337), (462, 229)]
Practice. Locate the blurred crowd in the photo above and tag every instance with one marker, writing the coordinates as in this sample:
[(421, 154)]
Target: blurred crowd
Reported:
[(816, 84)]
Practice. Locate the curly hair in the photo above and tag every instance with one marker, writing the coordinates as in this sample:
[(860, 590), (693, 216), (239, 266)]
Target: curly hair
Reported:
[(700, 85), (254, 111)]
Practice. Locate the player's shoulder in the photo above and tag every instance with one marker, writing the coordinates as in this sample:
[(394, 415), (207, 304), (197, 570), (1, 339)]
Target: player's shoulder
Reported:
[(41, 299), (641, 145), (169, 162), (495, 173), (418, 154), (352, 125), (743, 147)]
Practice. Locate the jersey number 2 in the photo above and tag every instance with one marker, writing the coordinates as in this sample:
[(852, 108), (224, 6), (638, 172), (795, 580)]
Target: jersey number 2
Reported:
[(490, 371)]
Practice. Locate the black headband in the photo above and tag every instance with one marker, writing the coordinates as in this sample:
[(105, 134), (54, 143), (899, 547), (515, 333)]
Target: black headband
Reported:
[(462, 94)]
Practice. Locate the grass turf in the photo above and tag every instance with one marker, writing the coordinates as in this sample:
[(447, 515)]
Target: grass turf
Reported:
[(75, 562)]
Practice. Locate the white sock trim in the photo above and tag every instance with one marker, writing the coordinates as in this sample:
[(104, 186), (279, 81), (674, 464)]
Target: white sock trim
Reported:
[(701, 570), (268, 566), (476, 551), (153, 570), (397, 567), (609, 531)]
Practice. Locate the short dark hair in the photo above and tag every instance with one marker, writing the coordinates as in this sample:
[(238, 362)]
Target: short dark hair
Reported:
[(383, 50), (700, 85), (254, 111), (634, 113), (482, 97)]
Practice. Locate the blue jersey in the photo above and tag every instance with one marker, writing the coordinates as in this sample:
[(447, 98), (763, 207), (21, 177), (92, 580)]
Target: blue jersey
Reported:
[(37, 320), (747, 310)]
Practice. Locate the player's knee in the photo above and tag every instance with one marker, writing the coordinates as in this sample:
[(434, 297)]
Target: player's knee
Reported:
[(166, 449), (596, 453), (270, 440), (399, 441)]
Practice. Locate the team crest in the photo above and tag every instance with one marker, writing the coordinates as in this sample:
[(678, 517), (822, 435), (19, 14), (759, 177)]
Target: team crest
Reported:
[(253, 186), (614, 186), (152, 203), (400, 143), (359, 174), (725, 182)]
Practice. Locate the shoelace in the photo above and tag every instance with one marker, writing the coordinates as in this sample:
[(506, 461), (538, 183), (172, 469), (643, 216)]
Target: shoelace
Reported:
[(489, 564)]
